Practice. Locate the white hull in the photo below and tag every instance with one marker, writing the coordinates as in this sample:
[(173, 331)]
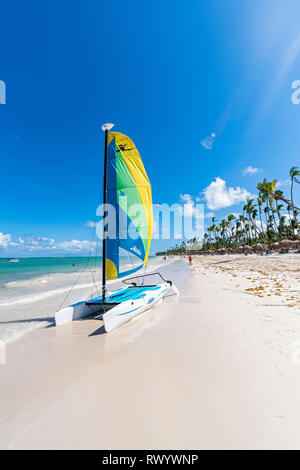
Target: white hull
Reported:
[(73, 312), (125, 311), (119, 314)]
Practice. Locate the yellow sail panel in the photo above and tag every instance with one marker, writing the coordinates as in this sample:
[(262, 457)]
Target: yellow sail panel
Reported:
[(111, 270)]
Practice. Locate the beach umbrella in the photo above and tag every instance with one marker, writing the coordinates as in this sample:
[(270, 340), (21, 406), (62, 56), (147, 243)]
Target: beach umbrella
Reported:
[(289, 243), (246, 247)]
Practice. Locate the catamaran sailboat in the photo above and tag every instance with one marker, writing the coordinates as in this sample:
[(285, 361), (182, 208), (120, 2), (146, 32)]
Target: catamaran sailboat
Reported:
[(126, 189)]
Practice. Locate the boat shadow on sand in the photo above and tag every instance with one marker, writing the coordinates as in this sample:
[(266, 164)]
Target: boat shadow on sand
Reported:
[(99, 331), (29, 320), (51, 322)]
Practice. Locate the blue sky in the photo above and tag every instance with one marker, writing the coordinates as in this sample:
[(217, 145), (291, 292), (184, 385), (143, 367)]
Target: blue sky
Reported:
[(168, 74)]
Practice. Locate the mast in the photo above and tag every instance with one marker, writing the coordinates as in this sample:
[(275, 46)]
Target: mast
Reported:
[(104, 215), (105, 128)]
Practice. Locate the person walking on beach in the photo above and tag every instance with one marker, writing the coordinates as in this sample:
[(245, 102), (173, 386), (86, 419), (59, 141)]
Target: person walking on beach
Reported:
[(190, 260)]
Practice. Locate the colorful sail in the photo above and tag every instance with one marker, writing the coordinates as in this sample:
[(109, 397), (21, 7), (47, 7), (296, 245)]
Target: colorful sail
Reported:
[(129, 193)]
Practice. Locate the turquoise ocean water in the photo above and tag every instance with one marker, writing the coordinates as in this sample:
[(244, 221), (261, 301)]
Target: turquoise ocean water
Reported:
[(28, 268), (32, 289)]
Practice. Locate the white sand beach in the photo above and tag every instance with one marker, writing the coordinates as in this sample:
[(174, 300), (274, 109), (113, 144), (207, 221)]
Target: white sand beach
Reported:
[(217, 367), (141, 138)]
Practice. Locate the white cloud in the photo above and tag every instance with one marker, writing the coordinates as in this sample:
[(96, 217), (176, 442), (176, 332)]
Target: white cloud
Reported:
[(288, 218), (250, 170), (4, 240), (209, 215), (75, 246), (178, 235), (34, 243), (39, 245), (155, 228), (218, 196), (190, 208), (186, 198), (260, 224), (281, 183), (188, 202), (90, 223)]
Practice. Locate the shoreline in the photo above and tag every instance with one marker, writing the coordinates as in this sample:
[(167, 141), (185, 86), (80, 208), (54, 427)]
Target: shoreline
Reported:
[(36, 308)]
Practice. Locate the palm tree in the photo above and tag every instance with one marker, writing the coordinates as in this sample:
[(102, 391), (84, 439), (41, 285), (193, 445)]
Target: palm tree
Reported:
[(281, 227), (267, 216), (223, 226), (253, 217), (238, 232), (230, 218), (205, 238), (294, 172), (270, 188), (264, 194), (217, 238), (259, 203), (278, 193), (209, 230), (249, 208), (242, 221), (270, 204), (214, 226)]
